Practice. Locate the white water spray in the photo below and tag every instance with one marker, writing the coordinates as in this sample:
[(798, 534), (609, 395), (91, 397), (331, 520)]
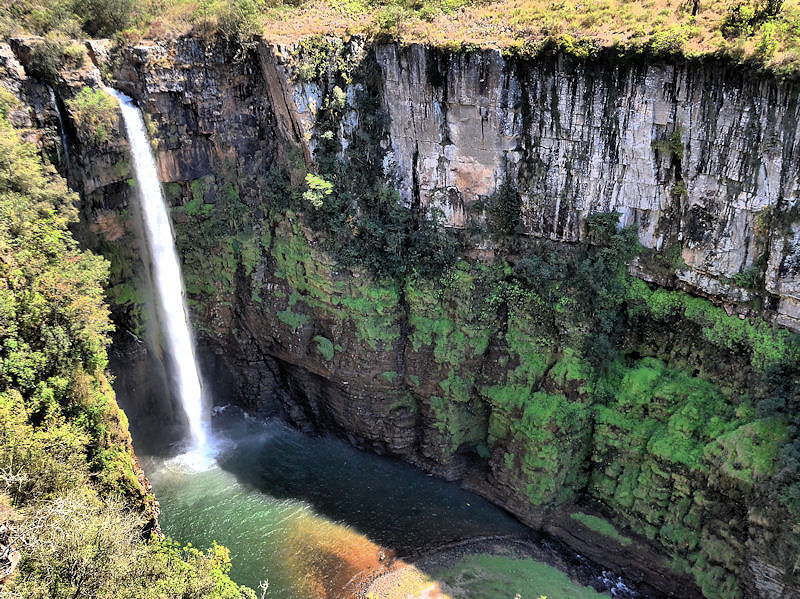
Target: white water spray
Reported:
[(166, 271)]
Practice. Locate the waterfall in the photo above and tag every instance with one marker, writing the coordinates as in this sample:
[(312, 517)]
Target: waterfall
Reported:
[(166, 271), (62, 130)]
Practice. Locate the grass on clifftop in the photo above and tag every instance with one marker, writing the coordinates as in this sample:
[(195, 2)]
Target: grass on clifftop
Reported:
[(763, 32)]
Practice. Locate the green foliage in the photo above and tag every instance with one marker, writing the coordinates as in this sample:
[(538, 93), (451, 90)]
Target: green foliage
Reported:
[(503, 210), (362, 221), (64, 443), (293, 320), (744, 16), (664, 263), (94, 113), (238, 19), (671, 146), (318, 190), (77, 546), (103, 18), (322, 58), (768, 347), (768, 41), (752, 277), (38, 463), (324, 347), (52, 316), (54, 54), (601, 526), (669, 41), (389, 18), (577, 295), (218, 241)]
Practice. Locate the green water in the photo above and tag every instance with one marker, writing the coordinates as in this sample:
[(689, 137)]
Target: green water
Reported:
[(284, 503)]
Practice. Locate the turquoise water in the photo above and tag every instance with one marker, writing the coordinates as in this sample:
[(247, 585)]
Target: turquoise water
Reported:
[(287, 505)]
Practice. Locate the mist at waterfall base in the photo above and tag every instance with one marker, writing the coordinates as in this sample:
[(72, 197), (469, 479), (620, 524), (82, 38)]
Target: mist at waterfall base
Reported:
[(165, 271)]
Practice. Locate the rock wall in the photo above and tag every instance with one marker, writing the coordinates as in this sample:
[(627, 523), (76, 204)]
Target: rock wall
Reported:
[(699, 155), (696, 156)]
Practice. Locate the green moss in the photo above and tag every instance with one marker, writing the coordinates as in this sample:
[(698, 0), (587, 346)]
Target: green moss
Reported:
[(324, 346), (293, 320), (748, 453), (768, 346), (458, 424), (601, 526)]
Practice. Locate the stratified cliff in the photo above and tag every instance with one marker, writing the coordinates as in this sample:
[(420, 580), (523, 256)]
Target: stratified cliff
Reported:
[(531, 348)]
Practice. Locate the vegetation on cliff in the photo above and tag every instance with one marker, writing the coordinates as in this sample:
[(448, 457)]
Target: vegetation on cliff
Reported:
[(71, 497), (565, 377), (763, 33)]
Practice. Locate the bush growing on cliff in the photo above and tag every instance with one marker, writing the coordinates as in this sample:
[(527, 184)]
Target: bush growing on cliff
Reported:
[(583, 288), (743, 16), (53, 54), (95, 113), (234, 20), (318, 190), (361, 219), (238, 19), (504, 211)]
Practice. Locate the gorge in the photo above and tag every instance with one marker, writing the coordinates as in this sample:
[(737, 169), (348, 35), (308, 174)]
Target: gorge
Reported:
[(600, 322)]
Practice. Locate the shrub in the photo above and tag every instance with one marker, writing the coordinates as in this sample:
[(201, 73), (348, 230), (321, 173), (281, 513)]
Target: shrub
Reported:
[(76, 546), (53, 54), (389, 20), (94, 112), (503, 208), (742, 18), (672, 146), (238, 20), (103, 18), (768, 43), (669, 41), (318, 190)]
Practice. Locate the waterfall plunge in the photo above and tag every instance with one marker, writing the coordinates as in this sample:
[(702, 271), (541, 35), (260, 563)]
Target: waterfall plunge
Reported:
[(62, 131), (166, 271)]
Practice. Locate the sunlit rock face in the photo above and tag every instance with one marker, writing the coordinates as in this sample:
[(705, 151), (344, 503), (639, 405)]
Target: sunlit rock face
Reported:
[(690, 154)]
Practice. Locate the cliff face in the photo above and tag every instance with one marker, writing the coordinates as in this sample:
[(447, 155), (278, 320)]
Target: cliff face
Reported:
[(694, 155), (464, 376)]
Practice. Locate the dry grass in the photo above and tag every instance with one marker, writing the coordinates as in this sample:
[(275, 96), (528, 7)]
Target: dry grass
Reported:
[(658, 26), (524, 26)]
